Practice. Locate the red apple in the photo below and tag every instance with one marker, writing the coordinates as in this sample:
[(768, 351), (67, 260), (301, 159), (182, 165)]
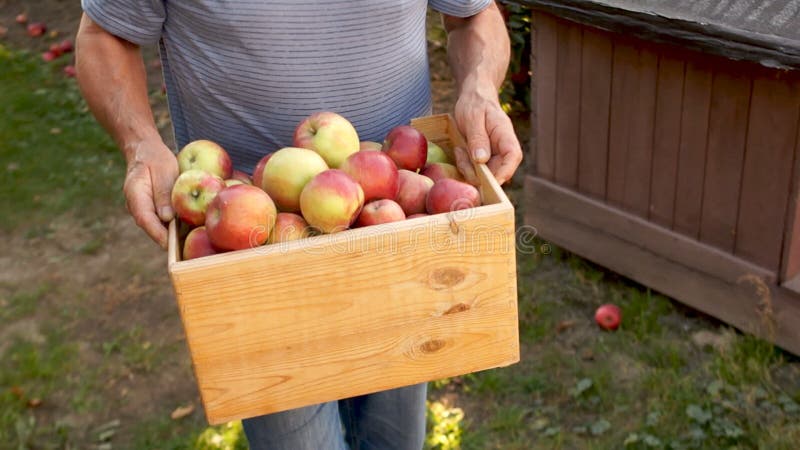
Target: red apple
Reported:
[(22, 18), (65, 46), (380, 211), (56, 50), (608, 316), (414, 216), (412, 191), (240, 217), (375, 172), (49, 56), (69, 70), (437, 154), (286, 174), (331, 201), (197, 244), (289, 227), (370, 145), (436, 171), (205, 155), (448, 195), (241, 176), (258, 172), (407, 147), (330, 135), (36, 29), (192, 192)]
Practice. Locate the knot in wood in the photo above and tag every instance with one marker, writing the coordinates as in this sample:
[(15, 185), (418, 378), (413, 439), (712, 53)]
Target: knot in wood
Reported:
[(432, 345)]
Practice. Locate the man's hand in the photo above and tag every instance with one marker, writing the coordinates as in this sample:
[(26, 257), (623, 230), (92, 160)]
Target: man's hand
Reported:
[(490, 136), (478, 49), (152, 170)]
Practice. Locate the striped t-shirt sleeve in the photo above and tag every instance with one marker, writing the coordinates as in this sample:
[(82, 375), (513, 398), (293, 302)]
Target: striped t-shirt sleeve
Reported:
[(459, 8), (137, 21)]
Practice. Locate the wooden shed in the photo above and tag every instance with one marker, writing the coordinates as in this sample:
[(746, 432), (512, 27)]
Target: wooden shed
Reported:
[(665, 147)]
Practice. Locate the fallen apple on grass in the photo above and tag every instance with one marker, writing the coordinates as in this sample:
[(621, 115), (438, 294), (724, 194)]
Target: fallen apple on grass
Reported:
[(49, 56), (21, 18), (69, 71), (331, 201), (451, 195), (197, 244), (191, 194), (330, 135), (240, 217), (205, 155), (407, 147), (608, 316), (287, 172), (412, 191), (375, 172), (289, 227), (36, 29), (380, 211)]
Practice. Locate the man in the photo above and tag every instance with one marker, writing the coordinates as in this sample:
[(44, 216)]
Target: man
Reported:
[(243, 73)]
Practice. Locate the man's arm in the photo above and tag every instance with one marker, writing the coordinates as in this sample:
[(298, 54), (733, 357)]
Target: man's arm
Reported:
[(112, 78), (478, 50)]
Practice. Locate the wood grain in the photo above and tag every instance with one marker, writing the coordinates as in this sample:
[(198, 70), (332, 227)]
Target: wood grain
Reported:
[(624, 85), (568, 95), (546, 48), (595, 108), (666, 139), (334, 316)]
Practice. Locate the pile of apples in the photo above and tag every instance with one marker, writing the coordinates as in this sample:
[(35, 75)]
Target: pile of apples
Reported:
[(327, 182)]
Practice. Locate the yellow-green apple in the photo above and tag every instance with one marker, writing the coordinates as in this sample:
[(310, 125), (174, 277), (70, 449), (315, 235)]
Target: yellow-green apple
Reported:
[(197, 244), (370, 145), (438, 170), (412, 192), (192, 192), (375, 172), (258, 172), (205, 155), (407, 147), (448, 194), (289, 227), (330, 135), (437, 154), (286, 174), (240, 217), (380, 211), (414, 216), (331, 201), (241, 176)]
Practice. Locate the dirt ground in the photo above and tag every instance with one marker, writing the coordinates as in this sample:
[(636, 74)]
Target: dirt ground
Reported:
[(110, 280)]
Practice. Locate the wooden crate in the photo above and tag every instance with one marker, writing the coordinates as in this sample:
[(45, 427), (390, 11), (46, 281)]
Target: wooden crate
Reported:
[(365, 310)]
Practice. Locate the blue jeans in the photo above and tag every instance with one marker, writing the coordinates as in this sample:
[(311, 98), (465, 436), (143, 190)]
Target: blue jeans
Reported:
[(393, 419)]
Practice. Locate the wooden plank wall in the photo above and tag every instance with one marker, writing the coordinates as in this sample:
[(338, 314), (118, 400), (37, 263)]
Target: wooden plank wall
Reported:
[(695, 143)]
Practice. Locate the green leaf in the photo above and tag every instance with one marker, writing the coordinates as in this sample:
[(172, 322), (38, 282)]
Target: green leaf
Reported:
[(698, 414), (581, 386)]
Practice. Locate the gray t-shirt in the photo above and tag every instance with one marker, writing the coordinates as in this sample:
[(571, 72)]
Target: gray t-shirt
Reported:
[(244, 73)]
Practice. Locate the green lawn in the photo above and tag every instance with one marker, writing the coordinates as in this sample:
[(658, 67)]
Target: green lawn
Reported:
[(650, 385)]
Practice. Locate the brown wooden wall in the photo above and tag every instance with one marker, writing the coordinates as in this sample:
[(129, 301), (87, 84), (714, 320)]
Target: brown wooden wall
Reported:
[(698, 144)]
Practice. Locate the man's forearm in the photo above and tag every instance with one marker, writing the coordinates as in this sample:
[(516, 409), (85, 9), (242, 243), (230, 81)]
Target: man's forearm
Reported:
[(478, 49), (112, 78)]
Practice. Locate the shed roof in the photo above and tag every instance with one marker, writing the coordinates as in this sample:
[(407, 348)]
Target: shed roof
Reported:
[(765, 31)]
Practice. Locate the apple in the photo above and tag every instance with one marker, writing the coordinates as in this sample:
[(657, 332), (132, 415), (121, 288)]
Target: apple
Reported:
[(21, 18), (370, 145), (49, 56), (36, 29), (375, 172), (205, 155), (258, 172), (56, 50), (380, 211), (407, 147), (289, 227), (608, 316), (448, 195), (241, 176), (412, 191), (438, 170), (286, 174), (65, 46), (414, 216), (192, 192), (436, 154), (197, 244), (232, 182), (240, 217), (69, 70), (330, 135), (331, 201)]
